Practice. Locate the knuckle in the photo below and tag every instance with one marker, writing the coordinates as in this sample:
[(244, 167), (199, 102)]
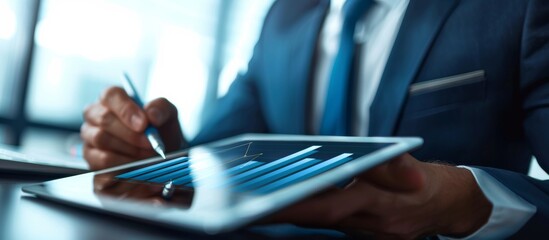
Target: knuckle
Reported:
[(83, 131), (126, 110), (103, 158), (105, 118), (97, 159), (87, 110), (86, 133), (101, 161), (86, 152), (111, 93), (93, 162), (99, 138)]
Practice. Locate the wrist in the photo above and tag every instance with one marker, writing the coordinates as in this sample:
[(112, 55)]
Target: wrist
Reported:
[(467, 209)]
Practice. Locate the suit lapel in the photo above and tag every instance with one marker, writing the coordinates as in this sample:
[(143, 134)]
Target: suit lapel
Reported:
[(294, 79), (421, 23)]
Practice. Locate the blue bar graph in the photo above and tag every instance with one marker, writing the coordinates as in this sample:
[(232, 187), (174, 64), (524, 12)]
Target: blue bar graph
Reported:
[(246, 176), (277, 174), (243, 167), (171, 176), (144, 170), (160, 172), (234, 170), (187, 180), (305, 174), (183, 180), (261, 168)]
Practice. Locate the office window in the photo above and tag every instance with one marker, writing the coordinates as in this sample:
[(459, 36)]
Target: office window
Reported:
[(13, 20), (238, 47), (8, 18), (168, 47), (82, 47), (57, 56)]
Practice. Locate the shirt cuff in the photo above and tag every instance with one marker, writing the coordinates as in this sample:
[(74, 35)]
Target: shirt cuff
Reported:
[(509, 213)]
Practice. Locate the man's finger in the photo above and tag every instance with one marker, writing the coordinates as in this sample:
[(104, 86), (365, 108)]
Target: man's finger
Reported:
[(116, 100), (371, 227), (160, 111), (326, 209), (100, 116), (100, 159), (163, 115), (403, 173), (99, 138)]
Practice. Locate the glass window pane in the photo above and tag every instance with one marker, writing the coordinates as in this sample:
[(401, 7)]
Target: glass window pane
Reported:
[(14, 21), (83, 46), (238, 48), (167, 47)]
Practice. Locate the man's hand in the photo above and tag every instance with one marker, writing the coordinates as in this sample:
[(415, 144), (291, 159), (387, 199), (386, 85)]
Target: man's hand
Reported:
[(113, 129), (404, 198)]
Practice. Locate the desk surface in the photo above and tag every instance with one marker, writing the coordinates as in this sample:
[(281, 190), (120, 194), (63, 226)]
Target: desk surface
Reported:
[(23, 216)]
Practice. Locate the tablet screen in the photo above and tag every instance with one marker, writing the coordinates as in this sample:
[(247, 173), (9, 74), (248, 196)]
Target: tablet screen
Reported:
[(256, 167)]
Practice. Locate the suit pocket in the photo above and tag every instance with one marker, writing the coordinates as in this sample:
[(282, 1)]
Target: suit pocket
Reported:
[(447, 82), (436, 95)]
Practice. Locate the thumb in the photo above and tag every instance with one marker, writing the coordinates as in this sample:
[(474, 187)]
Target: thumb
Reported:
[(404, 173), (163, 115), (160, 111)]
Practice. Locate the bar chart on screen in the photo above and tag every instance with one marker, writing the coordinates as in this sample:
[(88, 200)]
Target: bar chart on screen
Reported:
[(258, 167)]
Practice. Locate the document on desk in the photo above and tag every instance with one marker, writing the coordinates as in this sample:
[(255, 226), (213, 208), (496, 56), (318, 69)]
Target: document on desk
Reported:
[(14, 160)]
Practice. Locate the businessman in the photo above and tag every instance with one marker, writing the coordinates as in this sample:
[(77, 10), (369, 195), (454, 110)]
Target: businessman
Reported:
[(468, 76)]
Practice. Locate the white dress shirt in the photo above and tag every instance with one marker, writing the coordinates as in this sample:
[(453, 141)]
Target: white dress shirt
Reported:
[(376, 33)]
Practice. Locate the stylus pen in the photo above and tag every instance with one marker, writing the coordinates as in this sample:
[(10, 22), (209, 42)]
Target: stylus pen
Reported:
[(150, 132)]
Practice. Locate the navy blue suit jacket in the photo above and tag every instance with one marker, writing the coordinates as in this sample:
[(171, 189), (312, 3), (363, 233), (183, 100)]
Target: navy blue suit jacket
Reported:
[(496, 117)]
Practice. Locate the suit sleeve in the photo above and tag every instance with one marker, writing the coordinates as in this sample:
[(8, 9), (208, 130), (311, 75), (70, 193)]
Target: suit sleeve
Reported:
[(535, 192), (535, 81), (534, 91), (239, 111)]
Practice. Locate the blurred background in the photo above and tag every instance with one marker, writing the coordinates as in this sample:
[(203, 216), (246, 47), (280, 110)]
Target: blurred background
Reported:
[(57, 56)]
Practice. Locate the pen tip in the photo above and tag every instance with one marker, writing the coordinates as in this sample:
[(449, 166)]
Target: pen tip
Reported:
[(160, 152)]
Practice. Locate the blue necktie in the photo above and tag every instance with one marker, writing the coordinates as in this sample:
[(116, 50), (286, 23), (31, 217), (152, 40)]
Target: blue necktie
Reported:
[(335, 117)]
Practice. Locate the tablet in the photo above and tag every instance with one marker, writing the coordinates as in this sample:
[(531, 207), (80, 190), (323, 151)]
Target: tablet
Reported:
[(224, 185), (15, 160)]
